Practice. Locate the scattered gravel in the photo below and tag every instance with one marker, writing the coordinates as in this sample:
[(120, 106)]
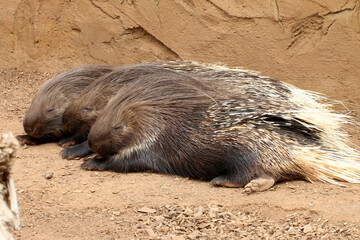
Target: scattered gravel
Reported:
[(215, 222)]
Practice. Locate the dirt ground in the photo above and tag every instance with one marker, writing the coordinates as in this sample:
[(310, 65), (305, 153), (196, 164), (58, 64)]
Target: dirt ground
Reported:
[(75, 204)]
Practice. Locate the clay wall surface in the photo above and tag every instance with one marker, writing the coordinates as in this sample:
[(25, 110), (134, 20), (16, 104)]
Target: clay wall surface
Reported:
[(314, 44)]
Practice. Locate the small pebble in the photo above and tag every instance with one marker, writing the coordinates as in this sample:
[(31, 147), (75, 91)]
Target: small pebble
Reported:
[(49, 175), (116, 213), (307, 228), (146, 210)]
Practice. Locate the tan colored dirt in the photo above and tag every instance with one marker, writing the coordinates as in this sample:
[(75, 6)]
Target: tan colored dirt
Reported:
[(313, 44)]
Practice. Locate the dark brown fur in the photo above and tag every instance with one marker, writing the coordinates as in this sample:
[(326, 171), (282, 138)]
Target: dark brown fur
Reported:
[(43, 120), (200, 127)]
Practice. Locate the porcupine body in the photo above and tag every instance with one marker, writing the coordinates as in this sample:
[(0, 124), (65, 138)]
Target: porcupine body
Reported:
[(43, 120), (237, 129)]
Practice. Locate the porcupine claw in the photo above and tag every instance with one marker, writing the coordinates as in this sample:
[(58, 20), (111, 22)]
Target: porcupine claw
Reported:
[(94, 163), (27, 139), (75, 152), (65, 142), (260, 184)]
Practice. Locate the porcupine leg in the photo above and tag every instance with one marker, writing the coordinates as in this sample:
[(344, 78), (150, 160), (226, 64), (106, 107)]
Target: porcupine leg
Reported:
[(244, 171), (258, 184), (77, 151)]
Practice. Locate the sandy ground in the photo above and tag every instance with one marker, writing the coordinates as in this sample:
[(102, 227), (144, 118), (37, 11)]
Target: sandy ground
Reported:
[(76, 204)]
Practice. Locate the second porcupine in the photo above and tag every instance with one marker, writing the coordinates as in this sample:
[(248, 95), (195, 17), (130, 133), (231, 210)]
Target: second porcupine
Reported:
[(248, 132), (43, 120)]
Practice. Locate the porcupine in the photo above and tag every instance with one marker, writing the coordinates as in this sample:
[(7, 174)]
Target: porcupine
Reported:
[(43, 120), (84, 110), (248, 131)]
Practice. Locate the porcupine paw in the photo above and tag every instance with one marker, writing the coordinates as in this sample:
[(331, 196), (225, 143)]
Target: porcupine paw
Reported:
[(223, 181), (92, 155), (70, 154), (95, 163), (75, 152), (26, 139), (260, 184)]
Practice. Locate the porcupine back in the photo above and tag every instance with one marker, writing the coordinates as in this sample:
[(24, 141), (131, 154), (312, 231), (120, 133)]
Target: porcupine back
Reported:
[(313, 110), (298, 133), (83, 111), (269, 127)]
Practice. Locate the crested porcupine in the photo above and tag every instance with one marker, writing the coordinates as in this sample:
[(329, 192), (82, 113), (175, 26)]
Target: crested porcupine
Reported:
[(239, 130), (84, 110), (43, 120)]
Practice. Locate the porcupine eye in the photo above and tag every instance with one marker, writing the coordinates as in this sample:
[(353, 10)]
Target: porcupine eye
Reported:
[(88, 109), (50, 110), (119, 127)]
